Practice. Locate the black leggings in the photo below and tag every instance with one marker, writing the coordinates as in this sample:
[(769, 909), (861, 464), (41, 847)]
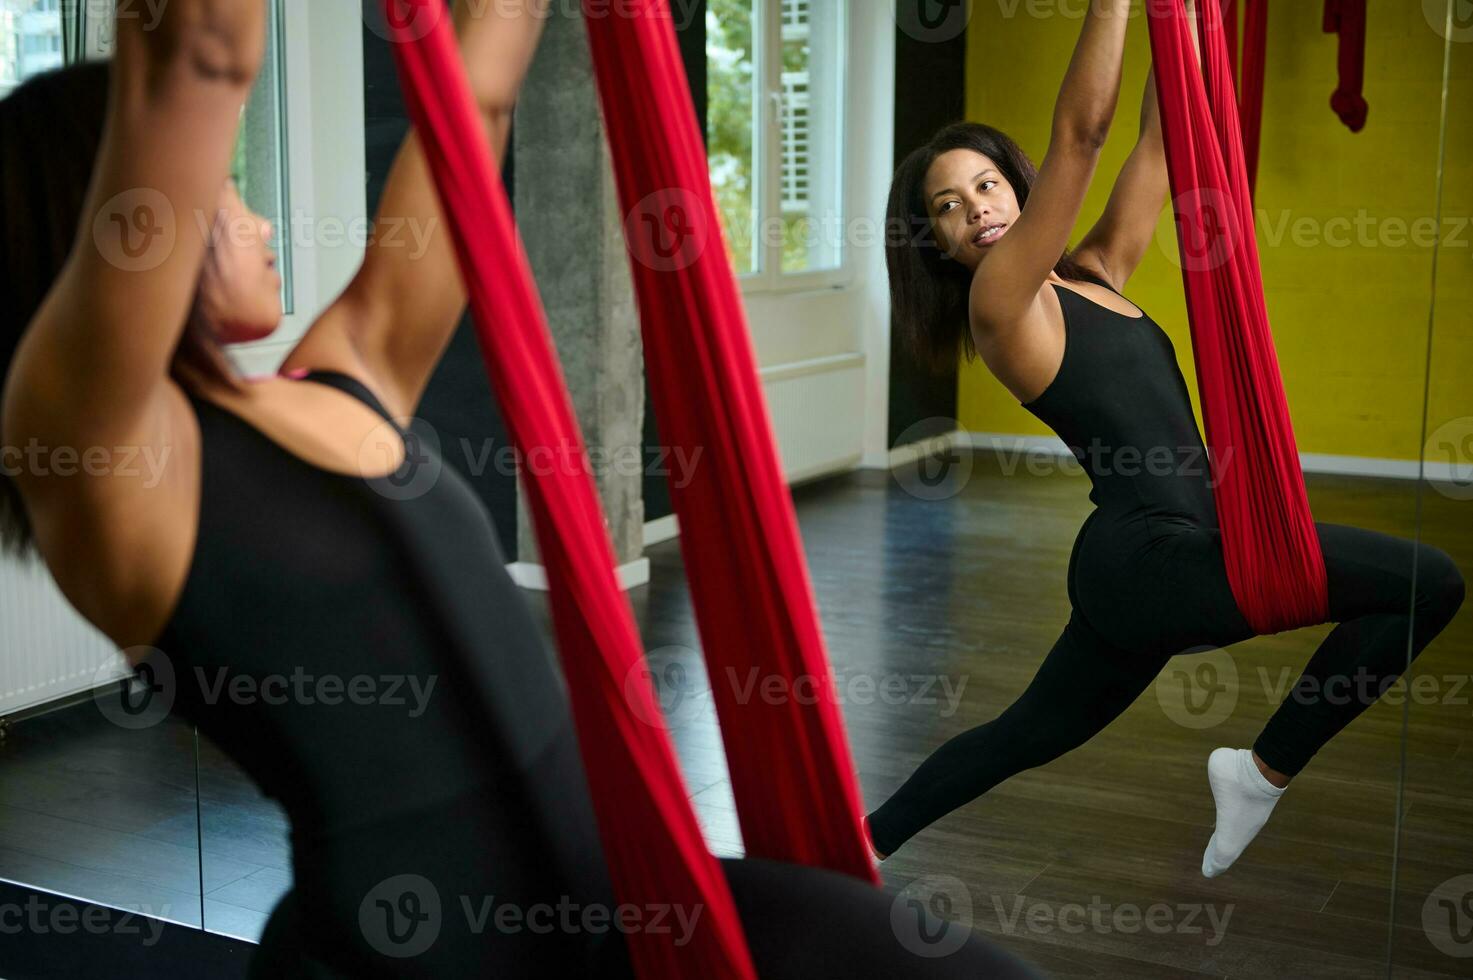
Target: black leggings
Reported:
[(1141, 596)]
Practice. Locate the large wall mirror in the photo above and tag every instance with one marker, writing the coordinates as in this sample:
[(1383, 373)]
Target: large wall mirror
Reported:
[(1432, 919), (1088, 865)]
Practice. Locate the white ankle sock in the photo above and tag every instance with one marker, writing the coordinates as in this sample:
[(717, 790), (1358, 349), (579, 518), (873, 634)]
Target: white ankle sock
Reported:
[(1244, 799)]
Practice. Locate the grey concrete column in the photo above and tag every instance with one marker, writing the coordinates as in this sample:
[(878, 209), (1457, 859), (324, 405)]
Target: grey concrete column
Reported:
[(569, 217)]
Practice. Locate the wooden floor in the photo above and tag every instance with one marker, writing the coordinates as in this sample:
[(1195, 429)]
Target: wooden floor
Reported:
[(1088, 867)]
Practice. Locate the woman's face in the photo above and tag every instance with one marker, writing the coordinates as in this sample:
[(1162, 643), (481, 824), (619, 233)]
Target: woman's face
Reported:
[(240, 288), (970, 203)]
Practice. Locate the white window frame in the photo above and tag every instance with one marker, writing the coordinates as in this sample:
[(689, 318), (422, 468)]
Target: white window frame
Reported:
[(769, 106), (321, 46)]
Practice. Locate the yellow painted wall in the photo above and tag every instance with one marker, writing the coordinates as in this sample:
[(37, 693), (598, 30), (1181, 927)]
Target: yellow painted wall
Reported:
[(1349, 308)]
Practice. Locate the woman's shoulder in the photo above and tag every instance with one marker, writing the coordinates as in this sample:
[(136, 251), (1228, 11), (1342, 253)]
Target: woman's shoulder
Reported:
[(117, 530)]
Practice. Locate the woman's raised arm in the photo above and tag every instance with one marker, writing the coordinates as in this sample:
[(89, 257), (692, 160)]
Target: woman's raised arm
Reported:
[(92, 365), (397, 315), (1007, 282)]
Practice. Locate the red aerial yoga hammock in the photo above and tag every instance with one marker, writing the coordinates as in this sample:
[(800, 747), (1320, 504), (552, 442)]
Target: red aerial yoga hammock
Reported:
[(792, 776), (1270, 546), (1250, 88), (1250, 91)]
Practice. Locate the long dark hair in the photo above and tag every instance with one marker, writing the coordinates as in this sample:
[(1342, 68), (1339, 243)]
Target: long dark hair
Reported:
[(50, 133), (928, 294)]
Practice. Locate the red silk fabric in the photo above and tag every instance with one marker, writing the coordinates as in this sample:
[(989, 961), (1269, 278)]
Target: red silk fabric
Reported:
[(1250, 98), (652, 842), (1230, 25), (1348, 19), (792, 776), (791, 772), (1249, 78), (1270, 546)]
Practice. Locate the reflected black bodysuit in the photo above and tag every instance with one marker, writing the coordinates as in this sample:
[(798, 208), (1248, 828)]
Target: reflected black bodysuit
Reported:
[(1146, 581)]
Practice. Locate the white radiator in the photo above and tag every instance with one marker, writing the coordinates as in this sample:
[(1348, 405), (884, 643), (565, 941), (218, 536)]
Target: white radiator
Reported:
[(47, 650)]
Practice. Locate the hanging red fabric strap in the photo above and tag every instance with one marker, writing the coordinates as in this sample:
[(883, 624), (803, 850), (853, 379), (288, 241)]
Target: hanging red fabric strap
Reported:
[(1250, 100), (1348, 19), (1270, 545), (1230, 26), (1248, 79), (791, 773), (651, 840)]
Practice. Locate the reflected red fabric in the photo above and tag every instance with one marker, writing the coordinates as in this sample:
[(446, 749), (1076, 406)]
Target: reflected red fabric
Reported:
[(1348, 19), (791, 772), (1230, 25), (652, 842), (1248, 78), (1270, 546), (1250, 98)]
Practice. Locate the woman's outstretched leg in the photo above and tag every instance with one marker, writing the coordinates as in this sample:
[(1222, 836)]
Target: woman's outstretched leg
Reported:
[(1083, 684), (1380, 623), (1370, 579)]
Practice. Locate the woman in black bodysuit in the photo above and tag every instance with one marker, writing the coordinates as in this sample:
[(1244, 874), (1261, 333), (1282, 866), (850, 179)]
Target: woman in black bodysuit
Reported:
[(342, 627), (1146, 578)]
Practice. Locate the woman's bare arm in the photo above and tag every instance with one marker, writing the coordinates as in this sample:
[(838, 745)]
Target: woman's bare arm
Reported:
[(96, 355), (89, 384), (1119, 240), (400, 310), (1008, 280)]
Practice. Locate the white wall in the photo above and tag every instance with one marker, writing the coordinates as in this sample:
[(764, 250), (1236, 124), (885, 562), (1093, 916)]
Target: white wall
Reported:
[(825, 354)]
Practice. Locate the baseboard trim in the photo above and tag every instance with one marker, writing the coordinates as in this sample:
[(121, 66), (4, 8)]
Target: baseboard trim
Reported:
[(661, 529), (530, 575)]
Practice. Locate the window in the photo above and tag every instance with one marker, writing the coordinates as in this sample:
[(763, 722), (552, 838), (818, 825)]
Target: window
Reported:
[(260, 160), (776, 94), (30, 40), (733, 106), (261, 152)]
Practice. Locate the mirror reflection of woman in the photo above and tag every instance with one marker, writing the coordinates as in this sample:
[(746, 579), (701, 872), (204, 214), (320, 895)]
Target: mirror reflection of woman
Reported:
[(274, 542), (1146, 578)]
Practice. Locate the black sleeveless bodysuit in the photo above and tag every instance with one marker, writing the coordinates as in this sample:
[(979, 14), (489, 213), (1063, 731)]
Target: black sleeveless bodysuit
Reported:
[(417, 820), (1120, 403), (358, 647), (1137, 439)]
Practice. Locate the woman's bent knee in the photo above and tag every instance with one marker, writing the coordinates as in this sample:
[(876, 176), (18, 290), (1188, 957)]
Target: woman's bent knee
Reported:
[(1440, 585)]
